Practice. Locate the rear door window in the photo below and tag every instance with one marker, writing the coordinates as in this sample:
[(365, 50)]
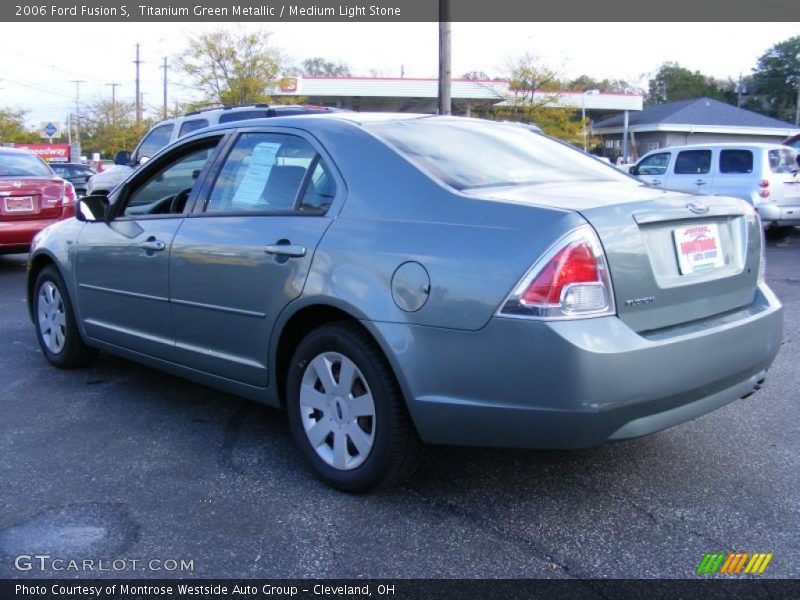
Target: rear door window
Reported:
[(193, 125), (735, 161), (693, 162), (266, 173)]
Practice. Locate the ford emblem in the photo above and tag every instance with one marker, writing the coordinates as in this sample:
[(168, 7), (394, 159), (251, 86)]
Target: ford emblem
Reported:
[(697, 208)]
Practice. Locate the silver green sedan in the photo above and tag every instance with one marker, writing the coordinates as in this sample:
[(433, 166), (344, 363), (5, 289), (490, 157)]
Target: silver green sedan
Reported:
[(394, 280)]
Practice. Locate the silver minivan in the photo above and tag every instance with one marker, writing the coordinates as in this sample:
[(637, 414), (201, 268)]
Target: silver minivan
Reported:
[(763, 174)]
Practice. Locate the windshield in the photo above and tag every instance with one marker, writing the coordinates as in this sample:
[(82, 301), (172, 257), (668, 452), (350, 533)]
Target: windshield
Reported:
[(470, 153), (22, 165)]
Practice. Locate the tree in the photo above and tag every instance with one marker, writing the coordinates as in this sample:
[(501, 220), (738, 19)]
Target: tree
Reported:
[(108, 127), (534, 99), (585, 82), (319, 67), (475, 76), (777, 77), (232, 68), (673, 82), (13, 128)]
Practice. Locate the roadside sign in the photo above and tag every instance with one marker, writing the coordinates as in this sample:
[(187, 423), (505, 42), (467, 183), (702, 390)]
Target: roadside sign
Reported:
[(50, 129), (48, 152)]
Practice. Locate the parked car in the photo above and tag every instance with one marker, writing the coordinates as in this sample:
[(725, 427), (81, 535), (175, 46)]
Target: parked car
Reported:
[(76, 173), (170, 130), (31, 198), (763, 174), (793, 141), (397, 279)]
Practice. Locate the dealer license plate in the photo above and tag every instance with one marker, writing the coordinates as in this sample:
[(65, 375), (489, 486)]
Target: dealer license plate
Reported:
[(698, 248), (19, 204)]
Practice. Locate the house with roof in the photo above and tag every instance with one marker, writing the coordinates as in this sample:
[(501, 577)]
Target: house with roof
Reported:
[(693, 121)]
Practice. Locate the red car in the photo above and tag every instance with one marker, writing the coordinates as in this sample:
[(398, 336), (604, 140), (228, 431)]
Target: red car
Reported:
[(32, 197), (793, 141)]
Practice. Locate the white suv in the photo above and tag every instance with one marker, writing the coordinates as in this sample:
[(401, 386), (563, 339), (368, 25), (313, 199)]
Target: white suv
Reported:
[(170, 130), (763, 174)]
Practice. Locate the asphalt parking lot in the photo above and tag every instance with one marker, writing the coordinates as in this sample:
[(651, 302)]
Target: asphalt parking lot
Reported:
[(121, 461)]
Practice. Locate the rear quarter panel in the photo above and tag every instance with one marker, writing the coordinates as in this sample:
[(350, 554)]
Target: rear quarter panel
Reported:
[(474, 250)]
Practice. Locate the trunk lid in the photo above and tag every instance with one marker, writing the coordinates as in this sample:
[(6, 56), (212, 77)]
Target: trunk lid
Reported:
[(643, 231), (30, 197)]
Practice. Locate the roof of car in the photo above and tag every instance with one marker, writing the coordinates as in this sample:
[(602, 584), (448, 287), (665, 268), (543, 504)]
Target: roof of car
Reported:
[(731, 145)]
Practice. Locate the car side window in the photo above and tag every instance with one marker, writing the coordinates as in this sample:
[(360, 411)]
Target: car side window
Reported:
[(693, 162), (735, 161), (167, 190), (655, 164), (320, 191), (155, 141), (265, 172), (192, 125)]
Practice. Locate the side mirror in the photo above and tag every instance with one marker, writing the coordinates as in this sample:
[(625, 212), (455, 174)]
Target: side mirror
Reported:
[(634, 170), (123, 157), (92, 208)]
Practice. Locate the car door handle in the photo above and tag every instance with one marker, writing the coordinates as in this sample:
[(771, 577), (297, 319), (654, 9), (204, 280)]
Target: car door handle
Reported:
[(153, 244), (286, 250), (700, 182), (655, 182)]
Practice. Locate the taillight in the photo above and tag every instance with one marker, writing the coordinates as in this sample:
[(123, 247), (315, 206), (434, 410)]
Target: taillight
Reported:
[(764, 183), (571, 280), (763, 193), (69, 195)]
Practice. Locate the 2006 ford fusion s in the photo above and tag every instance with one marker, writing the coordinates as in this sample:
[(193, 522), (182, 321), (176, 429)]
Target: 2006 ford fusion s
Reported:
[(396, 279)]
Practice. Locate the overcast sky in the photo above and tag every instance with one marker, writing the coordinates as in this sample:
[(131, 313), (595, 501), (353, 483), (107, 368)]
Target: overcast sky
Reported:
[(39, 59)]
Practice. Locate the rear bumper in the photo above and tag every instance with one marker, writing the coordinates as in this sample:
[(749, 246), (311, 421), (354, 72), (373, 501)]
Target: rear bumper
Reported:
[(16, 236), (575, 384), (774, 214)]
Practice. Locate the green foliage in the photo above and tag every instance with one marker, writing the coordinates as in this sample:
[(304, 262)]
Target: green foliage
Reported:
[(534, 99), (777, 77), (13, 128), (108, 127), (319, 67), (232, 68), (673, 82)]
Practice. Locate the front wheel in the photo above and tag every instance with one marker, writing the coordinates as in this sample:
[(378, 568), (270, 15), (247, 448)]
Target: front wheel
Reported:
[(56, 328), (346, 411)]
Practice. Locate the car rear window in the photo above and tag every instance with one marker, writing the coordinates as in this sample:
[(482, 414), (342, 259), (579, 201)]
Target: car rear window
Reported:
[(783, 160), (735, 161), (468, 153), (23, 165), (693, 162), (241, 115), (193, 125)]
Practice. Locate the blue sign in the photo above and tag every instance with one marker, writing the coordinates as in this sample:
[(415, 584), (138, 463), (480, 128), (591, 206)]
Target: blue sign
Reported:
[(50, 130)]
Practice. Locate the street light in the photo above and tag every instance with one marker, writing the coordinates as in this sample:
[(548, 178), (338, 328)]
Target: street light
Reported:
[(583, 112)]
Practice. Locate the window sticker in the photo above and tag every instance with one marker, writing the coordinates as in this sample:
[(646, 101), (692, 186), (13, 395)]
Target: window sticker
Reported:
[(255, 178)]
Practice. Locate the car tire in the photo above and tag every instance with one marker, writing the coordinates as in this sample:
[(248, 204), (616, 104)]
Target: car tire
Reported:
[(348, 448), (56, 328), (776, 233)]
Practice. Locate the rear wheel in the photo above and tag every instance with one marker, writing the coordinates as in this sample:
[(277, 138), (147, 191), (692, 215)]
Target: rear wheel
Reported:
[(346, 411), (56, 328)]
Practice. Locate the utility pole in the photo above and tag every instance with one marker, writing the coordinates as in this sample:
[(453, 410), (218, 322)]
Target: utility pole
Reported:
[(138, 93), (165, 86), (114, 87), (739, 90), (77, 83), (444, 58)]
